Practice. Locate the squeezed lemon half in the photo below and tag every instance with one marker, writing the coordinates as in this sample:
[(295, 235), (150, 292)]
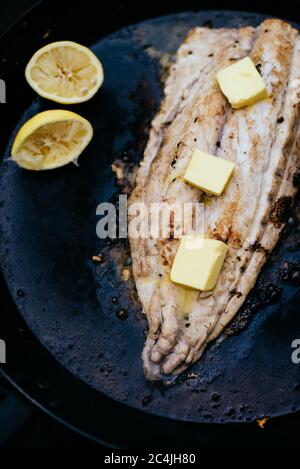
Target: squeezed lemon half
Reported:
[(65, 72), (51, 139)]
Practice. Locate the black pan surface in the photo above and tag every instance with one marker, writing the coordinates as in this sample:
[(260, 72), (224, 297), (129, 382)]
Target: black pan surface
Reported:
[(48, 238)]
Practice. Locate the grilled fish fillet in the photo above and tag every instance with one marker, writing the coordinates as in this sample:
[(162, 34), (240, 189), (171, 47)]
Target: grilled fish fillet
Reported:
[(261, 140)]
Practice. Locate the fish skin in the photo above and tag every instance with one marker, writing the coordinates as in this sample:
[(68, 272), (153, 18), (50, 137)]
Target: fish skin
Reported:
[(265, 152)]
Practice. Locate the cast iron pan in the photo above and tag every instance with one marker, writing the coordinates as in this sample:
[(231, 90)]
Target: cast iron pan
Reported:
[(69, 348)]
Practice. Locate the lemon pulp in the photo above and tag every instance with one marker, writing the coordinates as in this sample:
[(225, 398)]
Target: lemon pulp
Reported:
[(51, 139)]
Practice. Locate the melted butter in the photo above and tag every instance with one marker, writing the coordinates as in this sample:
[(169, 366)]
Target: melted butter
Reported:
[(187, 296)]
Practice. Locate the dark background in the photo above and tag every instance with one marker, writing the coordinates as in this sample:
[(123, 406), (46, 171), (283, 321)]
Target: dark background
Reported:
[(10, 14)]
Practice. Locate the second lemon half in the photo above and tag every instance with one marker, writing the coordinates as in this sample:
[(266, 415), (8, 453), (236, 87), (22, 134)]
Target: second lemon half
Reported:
[(51, 139)]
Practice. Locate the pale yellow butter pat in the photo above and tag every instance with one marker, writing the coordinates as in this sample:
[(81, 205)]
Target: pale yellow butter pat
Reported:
[(242, 84), (198, 262), (208, 173)]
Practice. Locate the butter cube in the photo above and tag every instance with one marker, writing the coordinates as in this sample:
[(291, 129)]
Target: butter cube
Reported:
[(242, 84), (208, 173), (198, 262)]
